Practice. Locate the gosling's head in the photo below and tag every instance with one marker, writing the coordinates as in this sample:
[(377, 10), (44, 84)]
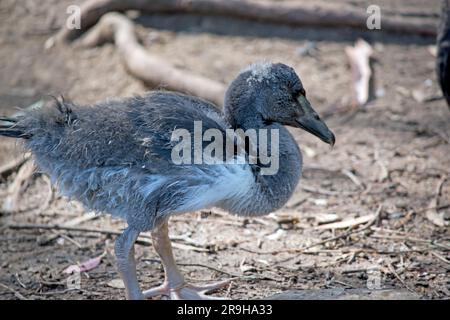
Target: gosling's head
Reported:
[(273, 92)]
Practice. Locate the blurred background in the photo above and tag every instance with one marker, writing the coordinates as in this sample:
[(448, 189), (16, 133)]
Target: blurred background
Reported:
[(390, 165)]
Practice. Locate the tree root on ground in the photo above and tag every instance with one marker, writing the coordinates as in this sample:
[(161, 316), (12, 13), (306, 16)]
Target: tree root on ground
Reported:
[(284, 13), (148, 67)]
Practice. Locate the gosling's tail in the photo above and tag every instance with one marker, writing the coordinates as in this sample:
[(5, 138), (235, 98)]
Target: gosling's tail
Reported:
[(41, 117), (10, 127)]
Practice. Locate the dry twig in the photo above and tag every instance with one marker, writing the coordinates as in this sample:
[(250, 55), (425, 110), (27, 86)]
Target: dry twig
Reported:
[(328, 192), (437, 255), (15, 292), (392, 270), (359, 57), (143, 238), (348, 223)]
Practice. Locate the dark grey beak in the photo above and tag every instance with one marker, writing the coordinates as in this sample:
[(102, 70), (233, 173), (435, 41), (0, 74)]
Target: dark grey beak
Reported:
[(311, 122)]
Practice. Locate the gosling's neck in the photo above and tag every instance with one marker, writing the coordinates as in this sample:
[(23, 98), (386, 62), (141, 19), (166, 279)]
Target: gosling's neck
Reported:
[(271, 191)]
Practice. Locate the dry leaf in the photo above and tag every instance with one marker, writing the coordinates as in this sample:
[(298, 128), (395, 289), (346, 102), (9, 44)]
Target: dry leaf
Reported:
[(85, 266)]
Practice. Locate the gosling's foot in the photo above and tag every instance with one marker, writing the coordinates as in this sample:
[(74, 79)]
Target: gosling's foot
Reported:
[(187, 291)]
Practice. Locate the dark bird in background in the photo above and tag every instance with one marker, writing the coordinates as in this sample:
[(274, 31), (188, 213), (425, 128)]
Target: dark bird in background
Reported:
[(443, 51), (115, 157)]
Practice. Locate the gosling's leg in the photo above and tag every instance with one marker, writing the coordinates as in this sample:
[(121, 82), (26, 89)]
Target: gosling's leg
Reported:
[(175, 286), (126, 264)]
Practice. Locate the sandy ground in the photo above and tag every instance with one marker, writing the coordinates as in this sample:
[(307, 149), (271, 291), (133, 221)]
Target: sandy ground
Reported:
[(396, 150)]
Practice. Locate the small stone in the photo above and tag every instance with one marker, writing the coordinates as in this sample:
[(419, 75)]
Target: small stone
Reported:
[(116, 283)]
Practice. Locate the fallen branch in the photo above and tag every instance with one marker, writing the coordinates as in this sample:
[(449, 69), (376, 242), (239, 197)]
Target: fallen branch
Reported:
[(148, 67), (359, 57), (283, 13)]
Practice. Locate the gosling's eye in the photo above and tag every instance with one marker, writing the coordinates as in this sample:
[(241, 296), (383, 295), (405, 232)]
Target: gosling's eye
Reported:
[(299, 92), (302, 92)]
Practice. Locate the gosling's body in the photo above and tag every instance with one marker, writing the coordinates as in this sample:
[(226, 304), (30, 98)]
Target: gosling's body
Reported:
[(115, 157)]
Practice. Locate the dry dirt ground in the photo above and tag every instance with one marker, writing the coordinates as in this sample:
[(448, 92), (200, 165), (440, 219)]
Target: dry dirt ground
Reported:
[(395, 154)]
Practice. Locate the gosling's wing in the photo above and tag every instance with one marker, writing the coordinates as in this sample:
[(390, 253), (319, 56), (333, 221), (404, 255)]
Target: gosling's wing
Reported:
[(156, 116)]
